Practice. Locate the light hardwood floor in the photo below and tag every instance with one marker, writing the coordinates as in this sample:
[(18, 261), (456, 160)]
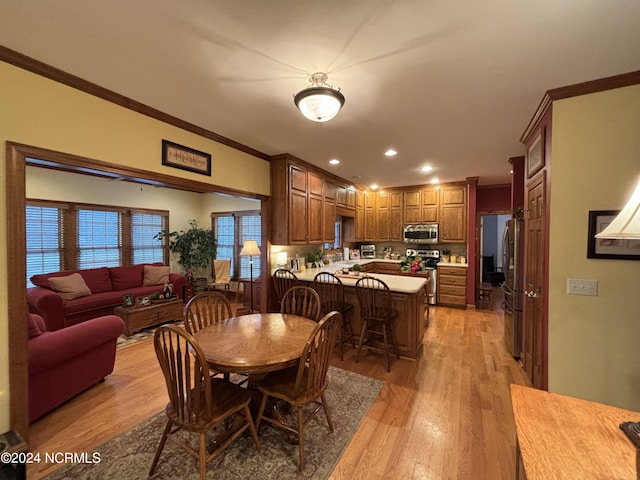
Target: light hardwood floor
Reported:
[(446, 416)]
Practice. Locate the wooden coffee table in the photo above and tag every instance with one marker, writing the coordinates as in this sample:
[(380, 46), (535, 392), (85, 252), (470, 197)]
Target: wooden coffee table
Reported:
[(137, 318)]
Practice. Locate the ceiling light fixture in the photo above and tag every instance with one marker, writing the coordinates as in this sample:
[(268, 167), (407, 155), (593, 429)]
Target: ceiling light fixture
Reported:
[(334, 161), (426, 168), (374, 186), (320, 102), (390, 153)]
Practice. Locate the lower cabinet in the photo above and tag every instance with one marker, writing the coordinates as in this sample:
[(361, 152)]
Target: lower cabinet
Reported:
[(452, 286)]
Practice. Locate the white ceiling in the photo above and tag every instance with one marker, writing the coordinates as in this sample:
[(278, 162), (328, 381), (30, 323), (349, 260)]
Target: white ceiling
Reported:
[(448, 83)]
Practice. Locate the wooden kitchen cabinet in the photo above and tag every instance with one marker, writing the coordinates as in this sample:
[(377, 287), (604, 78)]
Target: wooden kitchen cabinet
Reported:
[(429, 205), (370, 226), (412, 205), (452, 286), (453, 213)]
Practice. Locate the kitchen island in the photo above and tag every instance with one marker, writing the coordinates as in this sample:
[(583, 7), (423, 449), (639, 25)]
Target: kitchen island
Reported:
[(408, 296)]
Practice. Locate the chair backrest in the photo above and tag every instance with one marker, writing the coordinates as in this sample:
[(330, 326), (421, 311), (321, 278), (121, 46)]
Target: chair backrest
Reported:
[(205, 309), (331, 291), (283, 280), (186, 375), (374, 297), (222, 271), (302, 301), (314, 362)]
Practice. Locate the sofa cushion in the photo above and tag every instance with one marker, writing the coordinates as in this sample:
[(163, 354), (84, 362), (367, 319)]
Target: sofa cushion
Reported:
[(123, 278), (155, 275), (70, 287), (97, 279), (34, 329)]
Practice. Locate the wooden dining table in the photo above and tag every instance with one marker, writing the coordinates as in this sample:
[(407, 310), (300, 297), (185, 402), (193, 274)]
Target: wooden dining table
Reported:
[(255, 344)]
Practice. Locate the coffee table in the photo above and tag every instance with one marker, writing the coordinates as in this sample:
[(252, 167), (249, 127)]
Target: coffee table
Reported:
[(137, 318)]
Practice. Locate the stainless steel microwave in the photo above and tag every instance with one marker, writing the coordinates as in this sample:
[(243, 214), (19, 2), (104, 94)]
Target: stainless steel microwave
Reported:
[(422, 233)]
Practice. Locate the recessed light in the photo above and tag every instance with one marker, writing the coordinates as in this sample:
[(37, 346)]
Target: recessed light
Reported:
[(390, 153), (334, 161), (435, 180), (426, 168), (374, 186)]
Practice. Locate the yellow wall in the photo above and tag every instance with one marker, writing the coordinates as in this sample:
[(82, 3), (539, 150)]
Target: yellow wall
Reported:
[(594, 342), (39, 112)]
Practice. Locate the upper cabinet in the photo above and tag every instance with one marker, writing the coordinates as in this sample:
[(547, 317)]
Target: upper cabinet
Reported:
[(453, 213), (422, 205)]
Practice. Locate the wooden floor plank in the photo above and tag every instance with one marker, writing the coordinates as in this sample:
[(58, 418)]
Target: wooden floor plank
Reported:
[(446, 415)]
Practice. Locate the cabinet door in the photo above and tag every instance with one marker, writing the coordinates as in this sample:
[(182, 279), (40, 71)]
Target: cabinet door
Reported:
[(315, 184), (395, 217), (329, 221), (330, 190), (351, 198), (429, 205), (297, 217), (369, 234), (297, 179), (453, 214), (359, 225), (383, 224), (314, 219), (341, 195)]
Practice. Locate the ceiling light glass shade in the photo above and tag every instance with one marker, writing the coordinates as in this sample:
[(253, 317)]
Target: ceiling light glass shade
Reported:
[(627, 222), (321, 102)]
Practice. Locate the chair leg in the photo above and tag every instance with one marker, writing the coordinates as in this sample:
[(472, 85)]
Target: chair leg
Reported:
[(163, 440), (364, 329), (386, 345), (203, 456), (252, 427), (326, 411), (263, 404), (301, 438)]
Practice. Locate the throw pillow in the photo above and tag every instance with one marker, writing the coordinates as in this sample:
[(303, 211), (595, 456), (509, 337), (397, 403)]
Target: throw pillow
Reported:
[(155, 275), (34, 329), (70, 287)]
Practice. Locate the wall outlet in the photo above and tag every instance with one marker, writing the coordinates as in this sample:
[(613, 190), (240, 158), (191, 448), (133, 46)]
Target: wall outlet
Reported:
[(580, 286)]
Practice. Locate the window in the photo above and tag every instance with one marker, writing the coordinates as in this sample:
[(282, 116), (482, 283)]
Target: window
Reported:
[(232, 229), (66, 236)]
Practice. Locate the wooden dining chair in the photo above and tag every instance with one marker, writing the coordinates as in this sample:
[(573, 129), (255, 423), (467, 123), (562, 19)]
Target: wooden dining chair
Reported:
[(374, 298), (283, 280), (305, 384), (197, 402), (331, 292), (301, 301)]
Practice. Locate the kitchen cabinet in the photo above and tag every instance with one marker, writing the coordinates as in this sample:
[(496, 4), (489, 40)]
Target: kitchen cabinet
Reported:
[(395, 224), (429, 204), (452, 286), (329, 212), (453, 213), (370, 227), (412, 205)]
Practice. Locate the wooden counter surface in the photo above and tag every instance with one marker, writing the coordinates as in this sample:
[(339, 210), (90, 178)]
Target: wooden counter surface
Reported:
[(562, 437)]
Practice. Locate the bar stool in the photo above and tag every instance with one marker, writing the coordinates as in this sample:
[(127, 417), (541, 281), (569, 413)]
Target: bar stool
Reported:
[(374, 297), (331, 291)]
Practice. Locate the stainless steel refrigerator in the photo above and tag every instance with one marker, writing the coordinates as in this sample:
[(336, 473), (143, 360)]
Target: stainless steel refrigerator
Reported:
[(512, 264)]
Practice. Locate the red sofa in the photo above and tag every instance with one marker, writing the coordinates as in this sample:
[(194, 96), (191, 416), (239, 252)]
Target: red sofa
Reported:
[(107, 286), (66, 362)]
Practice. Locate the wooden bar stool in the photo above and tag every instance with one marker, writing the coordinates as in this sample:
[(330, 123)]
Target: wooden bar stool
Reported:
[(484, 297), (374, 297)]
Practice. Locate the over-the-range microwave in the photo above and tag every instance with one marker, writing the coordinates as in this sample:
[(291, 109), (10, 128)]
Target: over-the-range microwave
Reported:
[(421, 233)]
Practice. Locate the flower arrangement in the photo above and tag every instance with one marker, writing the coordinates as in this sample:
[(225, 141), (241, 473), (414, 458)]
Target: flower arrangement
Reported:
[(413, 264)]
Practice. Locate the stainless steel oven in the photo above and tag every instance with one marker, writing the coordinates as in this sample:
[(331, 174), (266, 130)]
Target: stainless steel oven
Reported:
[(421, 233), (367, 251)]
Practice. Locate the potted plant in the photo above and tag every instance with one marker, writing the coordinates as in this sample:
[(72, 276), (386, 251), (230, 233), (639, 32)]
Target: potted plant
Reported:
[(357, 268), (195, 247), (313, 257)]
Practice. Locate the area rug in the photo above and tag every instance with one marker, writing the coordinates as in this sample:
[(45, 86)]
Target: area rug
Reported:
[(129, 455)]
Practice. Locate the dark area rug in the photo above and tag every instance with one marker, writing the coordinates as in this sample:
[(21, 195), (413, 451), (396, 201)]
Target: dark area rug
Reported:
[(129, 455)]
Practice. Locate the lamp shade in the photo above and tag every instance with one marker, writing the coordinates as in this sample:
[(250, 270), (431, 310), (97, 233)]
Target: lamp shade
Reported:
[(319, 104), (627, 222), (249, 248)]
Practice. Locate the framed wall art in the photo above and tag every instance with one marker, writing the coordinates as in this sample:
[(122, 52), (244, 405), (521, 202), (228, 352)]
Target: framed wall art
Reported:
[(609, 248), (185, 158), (535, 154)]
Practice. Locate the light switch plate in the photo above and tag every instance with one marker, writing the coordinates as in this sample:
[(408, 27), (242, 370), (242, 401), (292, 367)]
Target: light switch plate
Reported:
[(580, 286)]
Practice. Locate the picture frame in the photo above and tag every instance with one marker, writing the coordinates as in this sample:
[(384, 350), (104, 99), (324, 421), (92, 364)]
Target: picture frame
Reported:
[(128, 300), (535, 154), (185, 158), (142, 301), (609, 248)]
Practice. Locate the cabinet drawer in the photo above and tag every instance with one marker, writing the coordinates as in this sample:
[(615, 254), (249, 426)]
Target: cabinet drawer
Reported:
[(453, 290), (452, 300), (451, 280), (457, 271)]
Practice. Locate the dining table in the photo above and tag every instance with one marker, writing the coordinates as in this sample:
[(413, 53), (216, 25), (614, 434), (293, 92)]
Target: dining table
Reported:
[(255, 344)]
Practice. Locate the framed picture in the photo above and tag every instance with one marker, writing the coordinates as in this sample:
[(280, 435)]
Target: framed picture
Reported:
[(142, 301), (535, 154), (185, 158), (128, 300), (609, 248)]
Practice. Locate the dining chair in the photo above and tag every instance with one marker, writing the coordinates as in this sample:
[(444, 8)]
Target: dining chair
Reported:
[(374, 298), (203, 310), (197, 402), (331, 292), (301, 301), (221, 275), (304, 384), (283, 280)]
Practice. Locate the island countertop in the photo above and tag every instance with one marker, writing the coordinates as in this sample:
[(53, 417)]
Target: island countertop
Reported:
[(396, 283)]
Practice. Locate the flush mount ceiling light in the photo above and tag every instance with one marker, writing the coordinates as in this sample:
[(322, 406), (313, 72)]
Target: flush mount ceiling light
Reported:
[(320, 102), (390, 153)]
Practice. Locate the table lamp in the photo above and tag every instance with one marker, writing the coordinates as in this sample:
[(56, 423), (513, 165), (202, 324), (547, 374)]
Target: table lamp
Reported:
[(627, 222), (249, 249)]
